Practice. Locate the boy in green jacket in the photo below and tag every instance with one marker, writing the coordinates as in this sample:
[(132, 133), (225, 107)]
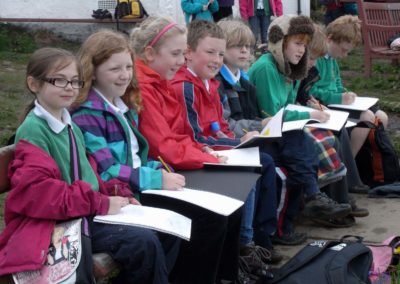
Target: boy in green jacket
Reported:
[(276, 76), (342, 35)]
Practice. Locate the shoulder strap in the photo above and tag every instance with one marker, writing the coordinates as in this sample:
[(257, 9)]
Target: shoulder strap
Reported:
[(74, 156), (303, 257)]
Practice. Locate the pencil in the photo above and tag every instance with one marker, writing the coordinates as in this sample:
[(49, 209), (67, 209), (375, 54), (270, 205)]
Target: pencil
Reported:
[(265, 113), (244, 130), (320, 106), (164, 164)]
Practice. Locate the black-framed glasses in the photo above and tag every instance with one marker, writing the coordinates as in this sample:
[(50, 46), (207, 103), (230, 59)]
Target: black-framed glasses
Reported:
[(62, 83)]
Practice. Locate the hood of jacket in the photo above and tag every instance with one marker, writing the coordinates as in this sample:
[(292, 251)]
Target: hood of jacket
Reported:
[(282, 27)]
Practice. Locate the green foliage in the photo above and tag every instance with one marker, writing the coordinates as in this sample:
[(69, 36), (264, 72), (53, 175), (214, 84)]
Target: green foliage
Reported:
[(16, 40)]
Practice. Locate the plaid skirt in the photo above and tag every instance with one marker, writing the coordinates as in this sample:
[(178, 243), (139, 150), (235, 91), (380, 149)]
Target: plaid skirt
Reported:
[(329, 160)]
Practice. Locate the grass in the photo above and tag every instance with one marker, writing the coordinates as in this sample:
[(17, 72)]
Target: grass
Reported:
[(16, 46)]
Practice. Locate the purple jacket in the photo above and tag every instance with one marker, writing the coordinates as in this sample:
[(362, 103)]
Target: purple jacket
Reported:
[(226, 3)]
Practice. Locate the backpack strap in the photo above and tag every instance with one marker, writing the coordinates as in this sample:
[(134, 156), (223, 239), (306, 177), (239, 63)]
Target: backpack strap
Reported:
[(339, 264), (304, 256)]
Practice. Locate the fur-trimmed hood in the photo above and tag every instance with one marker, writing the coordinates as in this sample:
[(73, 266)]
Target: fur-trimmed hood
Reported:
[(287, 25)]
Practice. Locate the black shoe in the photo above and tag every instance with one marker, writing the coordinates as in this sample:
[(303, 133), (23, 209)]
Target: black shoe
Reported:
[(343, 222), (321, 206), (276, 257), (243, 273), (358, 212), (255, 256), (289, 239), (361, 188)]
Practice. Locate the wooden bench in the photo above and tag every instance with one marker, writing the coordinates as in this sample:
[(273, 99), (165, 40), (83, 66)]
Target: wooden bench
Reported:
[(380, 21), (103, 263)]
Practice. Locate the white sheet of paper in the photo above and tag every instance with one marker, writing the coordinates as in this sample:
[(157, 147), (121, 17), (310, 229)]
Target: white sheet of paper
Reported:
[(215, 202), (360, 104), (274, 126), (240, 157), (157, 219), (336, 121)]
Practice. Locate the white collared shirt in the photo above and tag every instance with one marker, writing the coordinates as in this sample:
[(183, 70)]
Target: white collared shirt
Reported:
[(234, 77), (205, 82), (260, 4), (55, 125), (120, 109)]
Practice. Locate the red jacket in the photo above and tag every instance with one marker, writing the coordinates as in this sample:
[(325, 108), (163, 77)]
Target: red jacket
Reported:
[(38, 198), (246, 8), (164, 125), (202, 108)]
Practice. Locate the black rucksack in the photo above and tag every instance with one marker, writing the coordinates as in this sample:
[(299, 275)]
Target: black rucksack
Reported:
[(377, 160), (327, 262)]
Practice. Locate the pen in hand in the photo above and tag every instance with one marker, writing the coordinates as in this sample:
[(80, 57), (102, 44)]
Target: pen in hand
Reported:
[(265, 113), (164, 164)]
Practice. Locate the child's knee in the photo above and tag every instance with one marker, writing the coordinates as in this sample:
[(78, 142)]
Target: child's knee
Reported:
[(367, 116), (382, 117)]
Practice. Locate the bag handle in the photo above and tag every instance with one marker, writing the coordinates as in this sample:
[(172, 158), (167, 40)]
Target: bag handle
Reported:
[(347, 238)]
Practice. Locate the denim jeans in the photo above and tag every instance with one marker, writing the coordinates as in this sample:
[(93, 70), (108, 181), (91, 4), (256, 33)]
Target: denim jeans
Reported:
[(265, 214), (146, 256), (246, 228), (295, 151), (259, 24)]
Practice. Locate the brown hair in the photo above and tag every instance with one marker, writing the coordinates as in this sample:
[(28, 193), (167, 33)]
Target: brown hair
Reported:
[(345, 29), (141, 36), (97, 49), (44, 61), (236, 32), (200, 29), (318, 46), (306, 38)]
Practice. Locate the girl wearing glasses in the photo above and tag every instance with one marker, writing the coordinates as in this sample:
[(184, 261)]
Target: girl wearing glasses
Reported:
[(53, 181)]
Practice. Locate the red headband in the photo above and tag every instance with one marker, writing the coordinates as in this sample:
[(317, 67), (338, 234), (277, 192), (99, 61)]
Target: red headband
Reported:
[(160, 34)]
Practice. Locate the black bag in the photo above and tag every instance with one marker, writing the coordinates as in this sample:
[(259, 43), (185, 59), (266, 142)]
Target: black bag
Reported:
[(129, 9), (327, 262), (377, 160)]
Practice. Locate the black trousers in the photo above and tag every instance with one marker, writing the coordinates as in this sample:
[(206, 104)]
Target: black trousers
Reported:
[(222, 12), (213, 250), (145, 256)]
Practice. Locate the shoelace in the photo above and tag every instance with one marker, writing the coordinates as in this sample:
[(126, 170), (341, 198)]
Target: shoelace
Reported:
[(257, 255), (323, 196), (244, 271)]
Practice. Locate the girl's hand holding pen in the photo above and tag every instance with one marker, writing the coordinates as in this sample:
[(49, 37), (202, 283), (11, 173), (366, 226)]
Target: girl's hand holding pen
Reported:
[(314, 103), (172, 181), (116, 203)]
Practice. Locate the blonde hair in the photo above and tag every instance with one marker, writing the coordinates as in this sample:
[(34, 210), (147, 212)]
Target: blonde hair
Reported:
[(97, 49), (42, 62), (200, 29), (142, 36), (318, 46), (236, 32), (345, 29)]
